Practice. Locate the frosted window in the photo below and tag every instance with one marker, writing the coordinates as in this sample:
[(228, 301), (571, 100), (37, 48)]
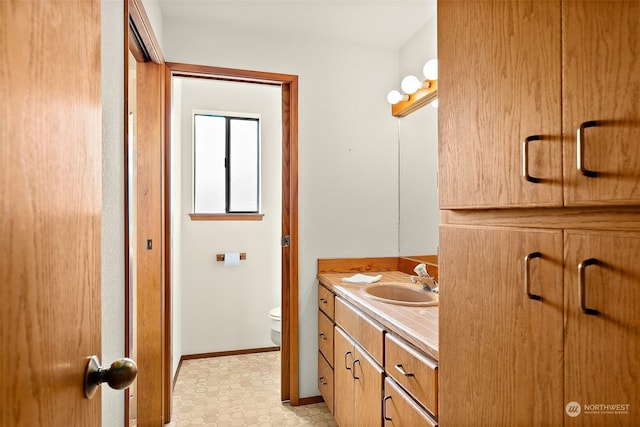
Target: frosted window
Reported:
[(243, 173), (226, 164)]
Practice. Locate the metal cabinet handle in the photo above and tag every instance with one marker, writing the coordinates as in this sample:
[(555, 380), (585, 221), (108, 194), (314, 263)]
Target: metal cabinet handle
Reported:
[(322, 337), (580, 149), (402, 371), (322, 300), (525, 158), (527, 282), (119, 375), (353, 372), (384, 408), (582, 266), (322, 381), (345, 361)]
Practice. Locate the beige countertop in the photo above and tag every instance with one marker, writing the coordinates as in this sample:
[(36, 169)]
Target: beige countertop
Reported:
[(416, 325)]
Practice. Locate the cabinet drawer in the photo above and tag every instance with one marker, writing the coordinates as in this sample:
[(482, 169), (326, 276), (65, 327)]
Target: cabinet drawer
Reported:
[(326, 301), (413, 371), (364, 331), (400, 410), (325, 381), (325, 337)]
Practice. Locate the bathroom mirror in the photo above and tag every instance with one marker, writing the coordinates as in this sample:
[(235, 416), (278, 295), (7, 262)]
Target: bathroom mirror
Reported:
[(419, 216)]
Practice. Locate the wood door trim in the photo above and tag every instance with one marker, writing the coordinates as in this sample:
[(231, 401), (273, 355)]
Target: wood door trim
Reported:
[(138, 17), (159, 324), (289, 85)]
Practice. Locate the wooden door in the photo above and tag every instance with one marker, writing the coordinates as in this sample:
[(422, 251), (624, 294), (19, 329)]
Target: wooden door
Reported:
[(601, 83), (367, 390), (499, 84), (344, 356), (500, 351), (602, 351), (50, 210)]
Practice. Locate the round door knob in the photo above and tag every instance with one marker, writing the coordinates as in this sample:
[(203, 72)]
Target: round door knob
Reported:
[(120, 375)]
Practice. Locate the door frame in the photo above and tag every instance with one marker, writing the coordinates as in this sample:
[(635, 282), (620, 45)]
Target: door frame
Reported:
[(289, 264), (158, 320)]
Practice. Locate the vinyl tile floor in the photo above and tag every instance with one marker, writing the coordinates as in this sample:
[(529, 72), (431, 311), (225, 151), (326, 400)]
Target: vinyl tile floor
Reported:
[(242, 390)]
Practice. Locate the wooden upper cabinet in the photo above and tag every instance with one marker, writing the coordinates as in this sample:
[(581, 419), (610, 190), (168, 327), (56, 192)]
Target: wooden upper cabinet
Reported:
[(538, 71), (499, 84), (601, 79)]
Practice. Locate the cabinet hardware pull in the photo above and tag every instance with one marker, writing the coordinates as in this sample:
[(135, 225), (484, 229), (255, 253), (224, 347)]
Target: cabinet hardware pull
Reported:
[(582, 266), (322, 381), (345, 361), (353, 372), (323, 337), (527, 282), (384, 409), (580, 149), (402, 371), (525, 158), (322, 300)]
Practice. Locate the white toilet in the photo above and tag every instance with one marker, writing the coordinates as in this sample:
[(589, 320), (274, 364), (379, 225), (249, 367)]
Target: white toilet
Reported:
[(275, 315)]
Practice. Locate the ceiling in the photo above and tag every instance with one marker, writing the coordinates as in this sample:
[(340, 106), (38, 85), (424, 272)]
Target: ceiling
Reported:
[(382, 23)]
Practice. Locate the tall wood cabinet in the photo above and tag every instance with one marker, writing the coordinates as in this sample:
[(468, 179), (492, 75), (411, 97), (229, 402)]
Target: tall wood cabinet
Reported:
[(539, 183)]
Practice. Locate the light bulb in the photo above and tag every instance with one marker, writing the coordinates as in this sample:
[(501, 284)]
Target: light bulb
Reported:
[(430, 69), (410, 84), (394, 97)]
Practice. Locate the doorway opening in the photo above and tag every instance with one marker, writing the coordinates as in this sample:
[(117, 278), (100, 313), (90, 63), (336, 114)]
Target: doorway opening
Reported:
[(289, 263)]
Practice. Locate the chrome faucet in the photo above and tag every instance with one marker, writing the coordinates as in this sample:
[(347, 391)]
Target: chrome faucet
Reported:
[(428, 283), (424, 278)]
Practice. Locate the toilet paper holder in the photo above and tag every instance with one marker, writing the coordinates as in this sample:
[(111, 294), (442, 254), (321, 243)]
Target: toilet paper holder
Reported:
[(220, 257)]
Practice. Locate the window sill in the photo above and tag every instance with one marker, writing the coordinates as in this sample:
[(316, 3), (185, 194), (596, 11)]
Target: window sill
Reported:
[(226, 217)]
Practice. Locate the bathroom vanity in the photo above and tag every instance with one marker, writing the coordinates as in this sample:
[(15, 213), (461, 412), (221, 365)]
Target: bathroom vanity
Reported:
[(367, 347)]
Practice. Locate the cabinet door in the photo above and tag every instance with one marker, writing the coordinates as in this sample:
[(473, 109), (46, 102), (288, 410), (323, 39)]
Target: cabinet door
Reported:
[(344, 355), (499, 84), (602, 350), (500, 351), (601, 83), (368, 378)]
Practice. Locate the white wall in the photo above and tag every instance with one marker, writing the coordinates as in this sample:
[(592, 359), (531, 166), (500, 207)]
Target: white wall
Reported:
[(419, 214), (112, 76), (176, 226), (348, 182), (226, 308)]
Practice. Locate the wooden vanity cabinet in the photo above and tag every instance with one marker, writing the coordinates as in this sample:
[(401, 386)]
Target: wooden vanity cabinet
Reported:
[(358, 384), (364, 354), (517, 80), (416, 373), (325, 345)]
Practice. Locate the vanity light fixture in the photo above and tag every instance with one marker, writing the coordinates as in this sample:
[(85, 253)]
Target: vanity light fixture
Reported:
[(417, 93), (394, 97), (411, 84)]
